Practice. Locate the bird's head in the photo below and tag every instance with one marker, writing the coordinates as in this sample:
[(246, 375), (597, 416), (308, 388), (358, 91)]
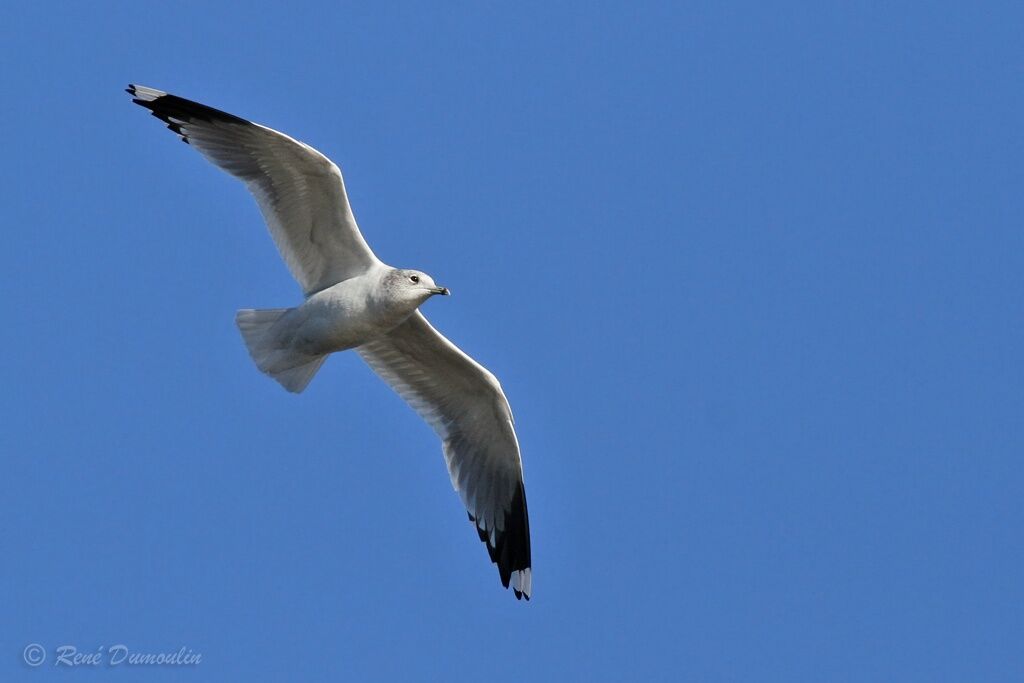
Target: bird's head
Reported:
[(413, 285)]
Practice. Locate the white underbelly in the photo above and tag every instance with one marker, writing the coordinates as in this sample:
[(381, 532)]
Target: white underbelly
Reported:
[(338, 318)]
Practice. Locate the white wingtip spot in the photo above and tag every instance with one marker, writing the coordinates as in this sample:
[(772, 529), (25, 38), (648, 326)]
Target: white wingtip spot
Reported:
[(522, 582), (141, 92)]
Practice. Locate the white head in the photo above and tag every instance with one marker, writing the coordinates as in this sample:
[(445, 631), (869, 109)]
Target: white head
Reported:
[(412, 286)]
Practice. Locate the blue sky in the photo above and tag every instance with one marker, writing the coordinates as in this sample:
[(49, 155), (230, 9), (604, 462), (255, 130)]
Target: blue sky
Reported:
[(751, 278)]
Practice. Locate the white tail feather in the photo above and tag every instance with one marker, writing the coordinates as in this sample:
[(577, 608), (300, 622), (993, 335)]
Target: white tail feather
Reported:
[(292, 369)]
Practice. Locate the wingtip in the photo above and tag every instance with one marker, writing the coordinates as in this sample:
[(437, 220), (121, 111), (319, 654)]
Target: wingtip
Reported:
[(522, 583), (510, 547), (141, 93)]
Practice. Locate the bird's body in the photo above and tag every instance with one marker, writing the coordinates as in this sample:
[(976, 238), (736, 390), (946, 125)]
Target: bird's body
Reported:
[(341, 317), (354, 301)]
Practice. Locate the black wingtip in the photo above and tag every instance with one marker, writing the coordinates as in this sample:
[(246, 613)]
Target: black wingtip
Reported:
[(511, 549), (177, 111)]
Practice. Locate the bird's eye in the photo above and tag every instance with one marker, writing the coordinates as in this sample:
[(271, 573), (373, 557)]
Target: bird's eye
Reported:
[(414, 278)]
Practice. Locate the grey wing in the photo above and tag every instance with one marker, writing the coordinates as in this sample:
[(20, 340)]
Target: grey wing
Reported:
[(300, 191), (465, 405)]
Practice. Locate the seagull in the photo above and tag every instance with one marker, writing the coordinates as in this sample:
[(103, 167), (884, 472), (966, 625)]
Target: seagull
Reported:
[(355, 301)]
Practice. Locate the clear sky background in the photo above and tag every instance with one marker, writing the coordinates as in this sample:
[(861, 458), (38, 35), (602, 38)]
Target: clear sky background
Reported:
[(752, 278)]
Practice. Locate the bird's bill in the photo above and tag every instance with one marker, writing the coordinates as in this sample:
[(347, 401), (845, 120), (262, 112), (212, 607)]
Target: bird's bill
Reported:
[(443, 291)]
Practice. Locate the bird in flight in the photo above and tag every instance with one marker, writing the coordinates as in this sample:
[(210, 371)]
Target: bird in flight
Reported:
[(355, 301)]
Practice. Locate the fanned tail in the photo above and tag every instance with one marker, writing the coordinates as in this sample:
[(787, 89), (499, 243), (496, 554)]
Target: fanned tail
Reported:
[(293, 370)]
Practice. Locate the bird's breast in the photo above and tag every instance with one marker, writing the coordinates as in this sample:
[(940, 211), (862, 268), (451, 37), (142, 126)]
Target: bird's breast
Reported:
[(344, 316)]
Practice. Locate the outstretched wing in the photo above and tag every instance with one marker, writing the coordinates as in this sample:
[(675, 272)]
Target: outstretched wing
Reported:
[(464, 404), (300, 191)]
